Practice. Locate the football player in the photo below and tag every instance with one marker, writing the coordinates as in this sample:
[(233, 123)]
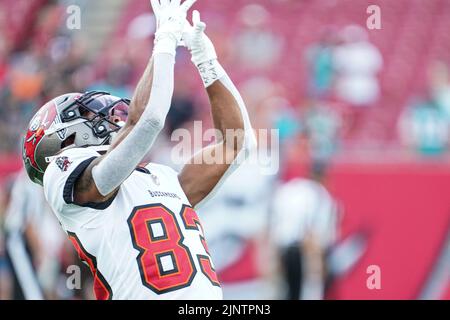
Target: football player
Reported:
[(135, 226)]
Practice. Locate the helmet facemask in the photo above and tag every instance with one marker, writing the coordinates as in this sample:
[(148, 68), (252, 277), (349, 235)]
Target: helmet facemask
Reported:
[(91, 115)]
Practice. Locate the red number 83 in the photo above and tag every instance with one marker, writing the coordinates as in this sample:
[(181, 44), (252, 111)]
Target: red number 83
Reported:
[(165, 263)]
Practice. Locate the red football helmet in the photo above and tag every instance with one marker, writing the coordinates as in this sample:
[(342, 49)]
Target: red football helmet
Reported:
[(72, 119)]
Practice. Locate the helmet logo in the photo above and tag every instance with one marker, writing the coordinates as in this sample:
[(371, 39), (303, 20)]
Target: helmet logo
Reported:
[(35, 123), (36, 132)]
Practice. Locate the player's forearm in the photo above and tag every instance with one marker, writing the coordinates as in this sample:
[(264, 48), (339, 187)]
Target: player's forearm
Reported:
[(123, 160), (228, 108), (229, 112), (226, 114)]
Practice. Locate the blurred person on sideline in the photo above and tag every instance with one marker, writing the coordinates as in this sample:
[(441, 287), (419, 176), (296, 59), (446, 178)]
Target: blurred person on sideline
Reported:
[(357, 63), (259, 47), (321, 65), (322, 129), (424, 127), (33, 240), (287, 121), (305, 220)]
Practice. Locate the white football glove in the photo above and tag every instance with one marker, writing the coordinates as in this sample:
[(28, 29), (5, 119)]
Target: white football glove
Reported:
[(203, 53), (170, 21), (197, 42)]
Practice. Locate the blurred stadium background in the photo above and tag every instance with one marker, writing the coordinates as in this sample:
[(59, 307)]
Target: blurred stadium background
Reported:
[(364, 179)]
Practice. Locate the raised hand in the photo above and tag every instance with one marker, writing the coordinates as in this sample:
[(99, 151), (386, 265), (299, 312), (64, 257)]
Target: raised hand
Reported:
[(170, 17), (197, 42)]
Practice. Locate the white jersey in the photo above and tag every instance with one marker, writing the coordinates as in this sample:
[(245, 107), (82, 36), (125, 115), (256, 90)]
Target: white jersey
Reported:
[(144, 243), (303, 206)]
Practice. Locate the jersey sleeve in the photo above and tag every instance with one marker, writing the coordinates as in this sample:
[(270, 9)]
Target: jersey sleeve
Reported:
[(61, 174)]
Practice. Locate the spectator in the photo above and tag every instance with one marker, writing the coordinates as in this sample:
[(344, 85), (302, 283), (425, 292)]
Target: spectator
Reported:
[(424, 127), (320, 62), (357, 64), (259, 47), (322, 126), (304, 229)]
